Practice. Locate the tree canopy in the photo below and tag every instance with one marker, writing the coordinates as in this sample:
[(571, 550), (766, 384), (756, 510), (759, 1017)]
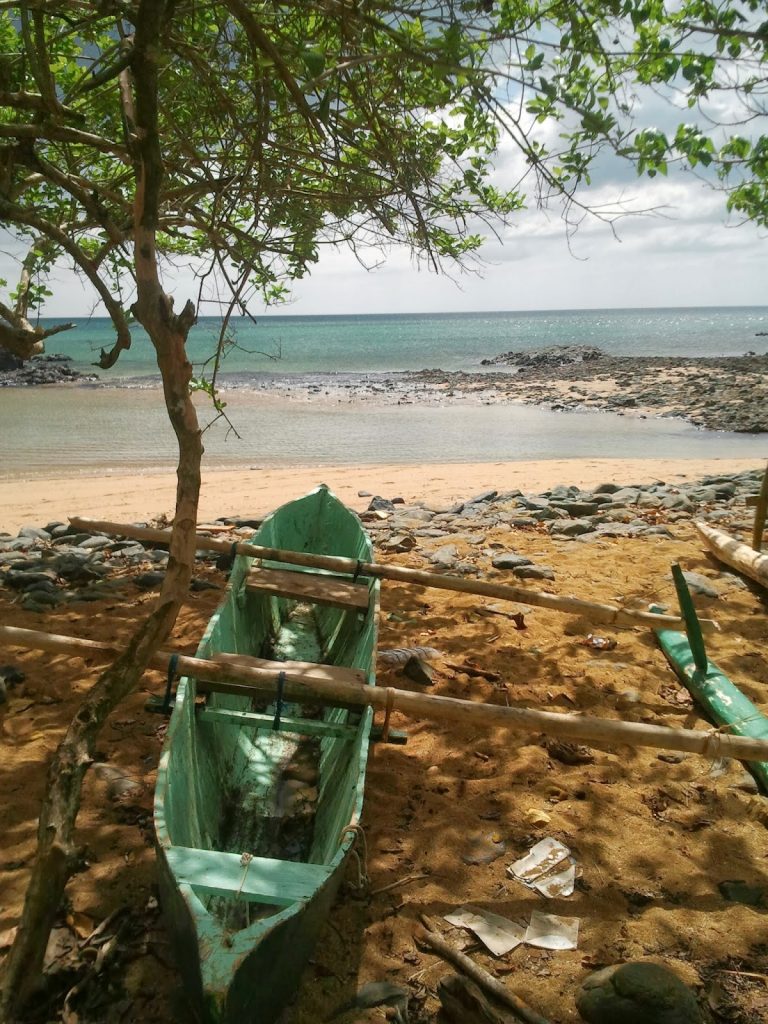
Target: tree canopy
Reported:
[(242, 134), (251, 132)]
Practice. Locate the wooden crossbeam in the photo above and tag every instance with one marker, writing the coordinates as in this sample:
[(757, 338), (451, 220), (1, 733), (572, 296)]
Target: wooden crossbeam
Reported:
[(299, 726), (262, 880), (607, 613), (316, 588), (263, 674)]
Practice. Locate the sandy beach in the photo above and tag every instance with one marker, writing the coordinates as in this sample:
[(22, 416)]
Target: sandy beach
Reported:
[(140, 497), (657, 837)]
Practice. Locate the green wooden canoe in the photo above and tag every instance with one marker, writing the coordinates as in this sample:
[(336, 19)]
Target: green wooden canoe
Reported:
[(722, 702), (253, 801)]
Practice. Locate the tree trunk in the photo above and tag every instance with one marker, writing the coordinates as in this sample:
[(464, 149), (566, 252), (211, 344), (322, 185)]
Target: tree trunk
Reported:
[(57, 854)]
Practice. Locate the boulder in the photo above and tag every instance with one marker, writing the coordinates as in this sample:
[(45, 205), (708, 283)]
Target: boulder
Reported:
[(637, 993)]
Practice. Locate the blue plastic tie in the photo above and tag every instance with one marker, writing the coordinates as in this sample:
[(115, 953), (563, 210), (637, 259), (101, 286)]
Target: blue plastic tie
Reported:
[(173, 665), (279, 702)]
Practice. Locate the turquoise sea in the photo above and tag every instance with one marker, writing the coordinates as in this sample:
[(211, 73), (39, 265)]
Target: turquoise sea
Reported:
[(287, 410), (450, 341)]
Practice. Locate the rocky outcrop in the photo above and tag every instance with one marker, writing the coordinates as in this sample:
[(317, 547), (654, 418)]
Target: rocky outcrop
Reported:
[(47, 369)]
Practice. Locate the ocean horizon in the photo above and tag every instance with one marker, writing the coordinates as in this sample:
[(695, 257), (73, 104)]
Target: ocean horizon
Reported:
[(386, 342)]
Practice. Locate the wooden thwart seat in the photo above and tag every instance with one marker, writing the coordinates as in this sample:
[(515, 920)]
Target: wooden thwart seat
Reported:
[(262, 880), (316, 588)]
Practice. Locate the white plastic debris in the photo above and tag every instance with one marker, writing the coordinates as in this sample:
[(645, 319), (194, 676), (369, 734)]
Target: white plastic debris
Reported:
[(547, 867), (561, 883), (547, 931), (498, 933), (539, 860)]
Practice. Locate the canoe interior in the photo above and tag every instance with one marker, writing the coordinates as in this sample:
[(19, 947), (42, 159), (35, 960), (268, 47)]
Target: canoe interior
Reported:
[(230, 788)]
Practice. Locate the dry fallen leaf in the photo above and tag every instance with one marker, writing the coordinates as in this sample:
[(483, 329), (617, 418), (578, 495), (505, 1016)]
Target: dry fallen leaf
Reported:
[(81, 924)]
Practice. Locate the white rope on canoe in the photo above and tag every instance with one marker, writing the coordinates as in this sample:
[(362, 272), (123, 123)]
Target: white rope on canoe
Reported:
[(363, 881)]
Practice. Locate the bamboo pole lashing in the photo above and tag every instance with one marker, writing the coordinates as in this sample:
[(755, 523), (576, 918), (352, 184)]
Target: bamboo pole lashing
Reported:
[(607, 614), (298, 687)]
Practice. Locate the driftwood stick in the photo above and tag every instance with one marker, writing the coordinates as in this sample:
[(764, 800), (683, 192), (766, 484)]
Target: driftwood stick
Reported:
[(428, 936), (463, 1003), (607, 614), (234, 675)]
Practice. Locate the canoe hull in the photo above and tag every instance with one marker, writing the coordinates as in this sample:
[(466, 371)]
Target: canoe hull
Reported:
[(723, 703), (243, 987), (245, 884)]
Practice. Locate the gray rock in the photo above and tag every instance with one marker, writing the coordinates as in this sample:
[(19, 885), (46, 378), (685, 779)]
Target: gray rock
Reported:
[(637, 993), (445, 556), (577, 508), (71, 539), (571, 528), (544, 514), (418, 671), (364, 494), (379, 504), (700, 585), (399, 544), (479, 499), (534, 572), (510, 561), (522, 521), (94, 543), (678, 502), (607, 488), (21, 579), (34, 533), (149, 580), (647, 500), (626, 496), (35, 599), (533, 503)]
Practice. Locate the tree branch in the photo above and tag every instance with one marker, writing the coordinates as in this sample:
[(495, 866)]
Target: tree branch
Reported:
[(18, 215)]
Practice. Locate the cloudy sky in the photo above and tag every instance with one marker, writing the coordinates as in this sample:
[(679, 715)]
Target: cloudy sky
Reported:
[(686, 254)]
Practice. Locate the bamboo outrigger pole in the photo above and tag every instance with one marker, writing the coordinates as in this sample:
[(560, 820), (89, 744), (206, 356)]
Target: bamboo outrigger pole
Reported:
[(607, 614), (733, 552), (235, 675)]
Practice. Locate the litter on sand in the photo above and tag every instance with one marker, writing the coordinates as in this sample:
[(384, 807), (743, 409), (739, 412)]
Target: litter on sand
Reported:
[(498, 933), (547, 931), (547, 867)]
